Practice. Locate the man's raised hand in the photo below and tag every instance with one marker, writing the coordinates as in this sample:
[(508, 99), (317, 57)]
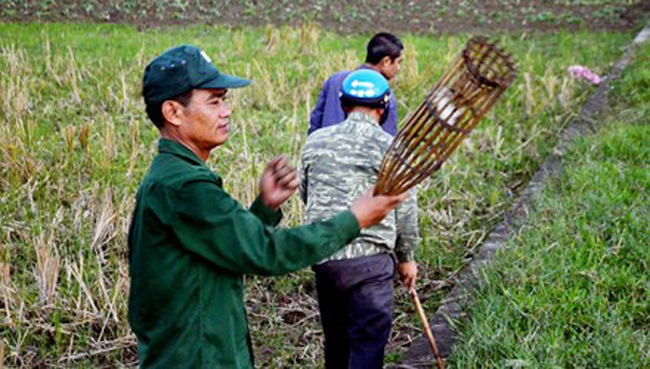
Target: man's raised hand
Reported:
[(278, 182)]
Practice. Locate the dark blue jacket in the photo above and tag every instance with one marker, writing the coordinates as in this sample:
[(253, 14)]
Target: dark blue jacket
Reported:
[(328, 107)]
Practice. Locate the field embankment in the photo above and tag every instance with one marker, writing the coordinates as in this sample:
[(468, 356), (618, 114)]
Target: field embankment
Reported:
[(414, 16), (572, 289)]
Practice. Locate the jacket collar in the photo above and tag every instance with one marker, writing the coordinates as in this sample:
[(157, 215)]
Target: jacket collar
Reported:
[(361, 118), (167, 146), (363, 66)]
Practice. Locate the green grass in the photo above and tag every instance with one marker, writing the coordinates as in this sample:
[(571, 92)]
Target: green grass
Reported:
[(572, 290), (75, 143)]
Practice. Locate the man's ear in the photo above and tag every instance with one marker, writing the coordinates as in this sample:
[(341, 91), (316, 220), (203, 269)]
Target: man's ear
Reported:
[(385, 61), (172, 111), (382, 115)]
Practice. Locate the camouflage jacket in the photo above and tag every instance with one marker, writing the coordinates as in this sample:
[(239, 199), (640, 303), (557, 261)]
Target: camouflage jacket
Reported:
[(339, 163)]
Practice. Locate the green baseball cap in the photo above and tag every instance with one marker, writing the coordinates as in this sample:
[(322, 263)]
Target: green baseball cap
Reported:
[(181, 69)]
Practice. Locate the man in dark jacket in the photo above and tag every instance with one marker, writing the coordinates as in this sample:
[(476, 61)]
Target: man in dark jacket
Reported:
[(190, 242), (384, 55)]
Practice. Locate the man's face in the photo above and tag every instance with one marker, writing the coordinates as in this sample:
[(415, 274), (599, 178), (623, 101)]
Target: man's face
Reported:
[(389, 68), (206, 118)]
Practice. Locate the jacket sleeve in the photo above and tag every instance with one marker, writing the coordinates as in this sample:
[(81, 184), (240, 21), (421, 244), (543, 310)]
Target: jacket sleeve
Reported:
[(390, 126), (407, 228), (264, 213), (214, 227), (316, 117), (304, 180)]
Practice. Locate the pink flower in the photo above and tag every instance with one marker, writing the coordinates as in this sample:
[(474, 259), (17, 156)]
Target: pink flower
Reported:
[(583, 73)]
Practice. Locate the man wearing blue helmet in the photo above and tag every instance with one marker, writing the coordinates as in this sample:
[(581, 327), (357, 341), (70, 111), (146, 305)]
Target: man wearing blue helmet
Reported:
[(354, 285), (384, 55)]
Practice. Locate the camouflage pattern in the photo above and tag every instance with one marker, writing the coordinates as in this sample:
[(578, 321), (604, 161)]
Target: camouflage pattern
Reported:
[(339, 164)]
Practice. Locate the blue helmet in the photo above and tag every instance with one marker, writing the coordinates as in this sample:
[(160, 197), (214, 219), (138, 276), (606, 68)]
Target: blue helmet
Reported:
[(365, 87)]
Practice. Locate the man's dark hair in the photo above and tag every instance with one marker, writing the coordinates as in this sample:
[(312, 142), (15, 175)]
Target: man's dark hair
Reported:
[(154, 111), (381, 45), (349, 104)]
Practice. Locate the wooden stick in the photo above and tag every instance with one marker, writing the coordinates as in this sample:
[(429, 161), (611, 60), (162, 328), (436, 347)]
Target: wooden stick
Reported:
[(427, 329)]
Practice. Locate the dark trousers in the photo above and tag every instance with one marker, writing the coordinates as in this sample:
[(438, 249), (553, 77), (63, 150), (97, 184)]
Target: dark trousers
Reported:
[(355, 298)]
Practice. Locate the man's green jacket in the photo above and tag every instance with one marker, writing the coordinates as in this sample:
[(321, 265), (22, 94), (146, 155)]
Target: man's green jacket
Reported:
[(190, 244)]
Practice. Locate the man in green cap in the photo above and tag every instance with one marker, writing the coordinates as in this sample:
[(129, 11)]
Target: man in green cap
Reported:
[(190, 243)]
